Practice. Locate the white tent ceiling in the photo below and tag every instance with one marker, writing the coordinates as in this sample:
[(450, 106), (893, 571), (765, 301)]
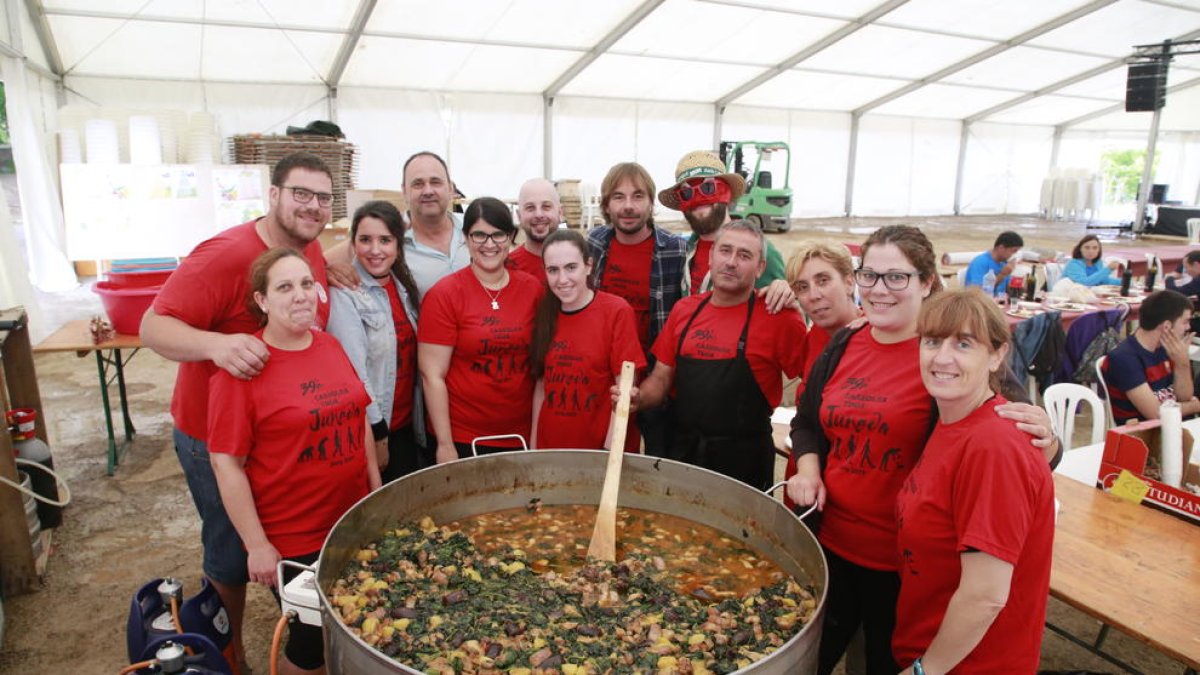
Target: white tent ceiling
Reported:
[(1043, 62)]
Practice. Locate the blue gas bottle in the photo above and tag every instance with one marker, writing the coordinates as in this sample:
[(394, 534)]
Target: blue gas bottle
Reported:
[(151, 622)]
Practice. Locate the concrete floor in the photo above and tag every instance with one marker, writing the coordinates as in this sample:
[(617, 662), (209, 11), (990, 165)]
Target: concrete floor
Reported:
[(123, 531)]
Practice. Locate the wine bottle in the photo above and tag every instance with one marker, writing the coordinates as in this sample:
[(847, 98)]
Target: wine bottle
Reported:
[(1126, 280), (1030, 286), (1151, 276)]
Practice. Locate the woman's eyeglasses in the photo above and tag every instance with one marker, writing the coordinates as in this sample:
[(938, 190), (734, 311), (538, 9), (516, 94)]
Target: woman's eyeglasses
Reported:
[(479, 237), (894, 281)]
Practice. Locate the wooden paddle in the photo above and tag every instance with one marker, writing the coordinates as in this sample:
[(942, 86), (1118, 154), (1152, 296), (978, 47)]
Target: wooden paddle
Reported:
[(604, 536)]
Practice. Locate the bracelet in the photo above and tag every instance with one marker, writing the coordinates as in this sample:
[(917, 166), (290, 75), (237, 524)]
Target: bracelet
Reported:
[(918, 669)]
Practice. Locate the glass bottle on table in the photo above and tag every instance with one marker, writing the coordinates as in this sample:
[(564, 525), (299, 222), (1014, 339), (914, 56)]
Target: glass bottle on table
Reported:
[(1151, 275), (1030, 286), (1126, 281)]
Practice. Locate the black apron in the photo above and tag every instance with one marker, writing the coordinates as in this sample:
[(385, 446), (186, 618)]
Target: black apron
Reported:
[(722, 418)]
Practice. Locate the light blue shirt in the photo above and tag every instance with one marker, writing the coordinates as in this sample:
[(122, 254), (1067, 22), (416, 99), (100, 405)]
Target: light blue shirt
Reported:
[(427, 264), (979, 267), (1095, 274), (361, 320)]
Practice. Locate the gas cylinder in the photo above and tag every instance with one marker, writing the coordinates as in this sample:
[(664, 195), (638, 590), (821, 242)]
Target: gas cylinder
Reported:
[(23, 426), (172, 657), (31, 517)]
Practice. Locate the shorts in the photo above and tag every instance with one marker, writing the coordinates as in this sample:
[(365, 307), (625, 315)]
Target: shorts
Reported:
[(305, 644), (224, 555)]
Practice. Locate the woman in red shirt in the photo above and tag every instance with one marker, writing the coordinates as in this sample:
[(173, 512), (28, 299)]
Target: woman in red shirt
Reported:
[(974, 550), (859, 429), (473, 341), (580, 339), (290, 447)]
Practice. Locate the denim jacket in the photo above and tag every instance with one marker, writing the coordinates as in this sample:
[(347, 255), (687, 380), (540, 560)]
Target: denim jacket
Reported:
[(361, 319)]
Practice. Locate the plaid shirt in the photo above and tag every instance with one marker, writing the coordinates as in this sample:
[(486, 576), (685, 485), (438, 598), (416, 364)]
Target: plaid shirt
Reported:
[(666, 270)]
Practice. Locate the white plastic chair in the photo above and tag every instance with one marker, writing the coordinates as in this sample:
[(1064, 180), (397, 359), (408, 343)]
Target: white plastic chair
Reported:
[(1080, 464), (1193, 226), (1104, 386), (962, 278), (1061, 401)]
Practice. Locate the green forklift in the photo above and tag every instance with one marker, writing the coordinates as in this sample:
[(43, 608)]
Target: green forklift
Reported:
[(767, 206)]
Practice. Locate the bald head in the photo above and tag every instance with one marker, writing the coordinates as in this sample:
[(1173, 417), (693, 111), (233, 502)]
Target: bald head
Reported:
[(539, 209)]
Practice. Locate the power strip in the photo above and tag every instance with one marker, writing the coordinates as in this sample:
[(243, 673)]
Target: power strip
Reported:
[(301, 596)]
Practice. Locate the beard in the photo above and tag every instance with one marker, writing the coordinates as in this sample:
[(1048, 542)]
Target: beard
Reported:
[(710, 223)]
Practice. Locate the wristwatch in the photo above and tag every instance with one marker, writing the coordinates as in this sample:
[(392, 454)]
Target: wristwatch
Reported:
[(918, 669)]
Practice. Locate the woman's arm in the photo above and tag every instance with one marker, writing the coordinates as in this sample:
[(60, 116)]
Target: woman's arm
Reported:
[(262, 557), (982, 592), (539, 395), (434, 362)]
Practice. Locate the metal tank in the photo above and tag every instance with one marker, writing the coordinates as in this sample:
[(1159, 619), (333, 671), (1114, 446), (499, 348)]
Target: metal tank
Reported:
[(509, 480)]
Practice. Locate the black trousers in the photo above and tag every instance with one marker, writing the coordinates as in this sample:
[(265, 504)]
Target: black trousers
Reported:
[(859, 596), (404, 455)]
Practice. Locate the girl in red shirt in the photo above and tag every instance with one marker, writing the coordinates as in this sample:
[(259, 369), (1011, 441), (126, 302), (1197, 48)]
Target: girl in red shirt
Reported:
[(289, 447), (580, 338), (975, 516), (859, 430), (473, 341)]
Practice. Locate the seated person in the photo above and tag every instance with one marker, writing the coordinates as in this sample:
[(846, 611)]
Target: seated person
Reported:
[(1191, 268), (1152, 365), (1087, 266), (996, 261)]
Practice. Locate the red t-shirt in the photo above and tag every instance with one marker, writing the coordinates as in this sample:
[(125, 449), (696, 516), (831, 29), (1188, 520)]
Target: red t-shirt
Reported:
[(770, 345), (406, 360), (876, 414), (490, 387), (627, 275), (300, 425), (814, 344), (209, 292), (521, 259), (968, 493), (584, 361), (700, 263)]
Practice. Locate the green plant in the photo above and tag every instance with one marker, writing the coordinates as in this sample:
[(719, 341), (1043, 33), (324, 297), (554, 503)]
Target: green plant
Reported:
[(1122, 171)]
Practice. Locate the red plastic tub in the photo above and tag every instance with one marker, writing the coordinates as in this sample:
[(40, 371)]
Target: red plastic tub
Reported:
[(139, 278), (125, 306)]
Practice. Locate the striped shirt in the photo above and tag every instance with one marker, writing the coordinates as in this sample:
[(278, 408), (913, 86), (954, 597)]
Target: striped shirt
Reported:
[(1131, 365)]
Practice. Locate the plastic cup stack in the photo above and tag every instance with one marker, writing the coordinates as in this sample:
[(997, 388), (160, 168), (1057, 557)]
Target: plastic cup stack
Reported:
[(103, 146), (145, 146)]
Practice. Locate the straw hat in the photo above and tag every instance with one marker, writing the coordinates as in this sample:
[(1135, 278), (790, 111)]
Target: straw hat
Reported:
[(702, 164)]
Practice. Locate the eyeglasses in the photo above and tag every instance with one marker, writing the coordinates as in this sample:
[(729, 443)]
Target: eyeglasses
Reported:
[(693, 186), (304, 195), (894, 281), (479, 237)]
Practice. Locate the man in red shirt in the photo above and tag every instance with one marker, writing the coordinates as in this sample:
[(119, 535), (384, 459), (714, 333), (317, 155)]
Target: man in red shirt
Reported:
[(540, 213), (723, 353), (200, 319)]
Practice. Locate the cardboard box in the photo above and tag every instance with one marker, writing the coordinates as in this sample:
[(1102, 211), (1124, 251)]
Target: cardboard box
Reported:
[(1134, 448), (356, 198)]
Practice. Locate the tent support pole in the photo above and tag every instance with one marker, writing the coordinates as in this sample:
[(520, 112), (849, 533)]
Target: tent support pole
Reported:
[(1139, 220), (547, 137), (331, 104), (718, 121), (1056, 145), (850, 163), (962, 167)]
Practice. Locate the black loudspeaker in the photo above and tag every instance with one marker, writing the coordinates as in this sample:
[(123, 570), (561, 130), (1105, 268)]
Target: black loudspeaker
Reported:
[(1146, 86)]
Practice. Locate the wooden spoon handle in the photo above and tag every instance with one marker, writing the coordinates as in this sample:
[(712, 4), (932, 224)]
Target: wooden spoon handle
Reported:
[(604, 535)]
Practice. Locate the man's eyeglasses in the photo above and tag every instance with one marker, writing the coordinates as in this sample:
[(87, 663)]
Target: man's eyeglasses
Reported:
[(479, 237), (894, 281), (304, 195), (693, 186)]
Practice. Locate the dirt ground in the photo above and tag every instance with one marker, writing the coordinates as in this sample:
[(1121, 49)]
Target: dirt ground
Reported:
[(125, 530)]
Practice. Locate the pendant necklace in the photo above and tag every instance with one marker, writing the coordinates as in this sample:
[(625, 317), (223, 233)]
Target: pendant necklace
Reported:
[(494, 297), (495, 302)]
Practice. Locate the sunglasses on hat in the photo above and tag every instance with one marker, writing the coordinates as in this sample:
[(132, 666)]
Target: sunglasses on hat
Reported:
[(696, 186)]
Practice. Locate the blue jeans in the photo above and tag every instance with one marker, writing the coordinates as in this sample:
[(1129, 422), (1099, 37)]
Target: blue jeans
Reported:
[(224, 555)]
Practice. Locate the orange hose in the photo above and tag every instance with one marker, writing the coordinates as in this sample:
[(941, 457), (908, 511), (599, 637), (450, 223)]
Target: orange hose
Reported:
[(137, 666), (276, 640), (179, 623)]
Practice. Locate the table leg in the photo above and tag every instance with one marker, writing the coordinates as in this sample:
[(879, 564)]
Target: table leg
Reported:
[(129, 430), (108, 425), (1095, 647)]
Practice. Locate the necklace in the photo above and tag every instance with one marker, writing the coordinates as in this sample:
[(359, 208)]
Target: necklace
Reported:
[(494, 298)]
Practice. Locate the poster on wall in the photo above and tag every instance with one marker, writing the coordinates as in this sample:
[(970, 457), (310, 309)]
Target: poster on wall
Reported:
[(115, 211)]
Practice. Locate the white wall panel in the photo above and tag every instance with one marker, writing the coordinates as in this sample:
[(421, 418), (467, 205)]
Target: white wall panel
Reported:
[(389, 125), (591, 135), (495, 143), (1005, 167), (820, 145)]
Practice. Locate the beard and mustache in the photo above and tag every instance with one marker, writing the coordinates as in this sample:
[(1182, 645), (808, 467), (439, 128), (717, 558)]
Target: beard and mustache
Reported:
[(710, 223)]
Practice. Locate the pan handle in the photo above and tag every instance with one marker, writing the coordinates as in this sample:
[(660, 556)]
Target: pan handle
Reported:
[(519, 437), (807, 511)]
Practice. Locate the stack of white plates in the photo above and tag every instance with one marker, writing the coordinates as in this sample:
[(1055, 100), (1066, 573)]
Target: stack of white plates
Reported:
[(201, 147), (170, 126), (69, 149), (145, 146), (103, 146)]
